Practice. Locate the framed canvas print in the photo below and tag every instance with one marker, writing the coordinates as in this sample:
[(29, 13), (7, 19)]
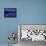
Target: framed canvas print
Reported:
[(10, 12)]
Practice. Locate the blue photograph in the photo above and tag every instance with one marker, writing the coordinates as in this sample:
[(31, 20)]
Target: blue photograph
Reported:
[(10, 12)]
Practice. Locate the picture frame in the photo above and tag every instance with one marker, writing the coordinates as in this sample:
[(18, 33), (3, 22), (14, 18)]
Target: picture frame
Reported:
[(10, 12)]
